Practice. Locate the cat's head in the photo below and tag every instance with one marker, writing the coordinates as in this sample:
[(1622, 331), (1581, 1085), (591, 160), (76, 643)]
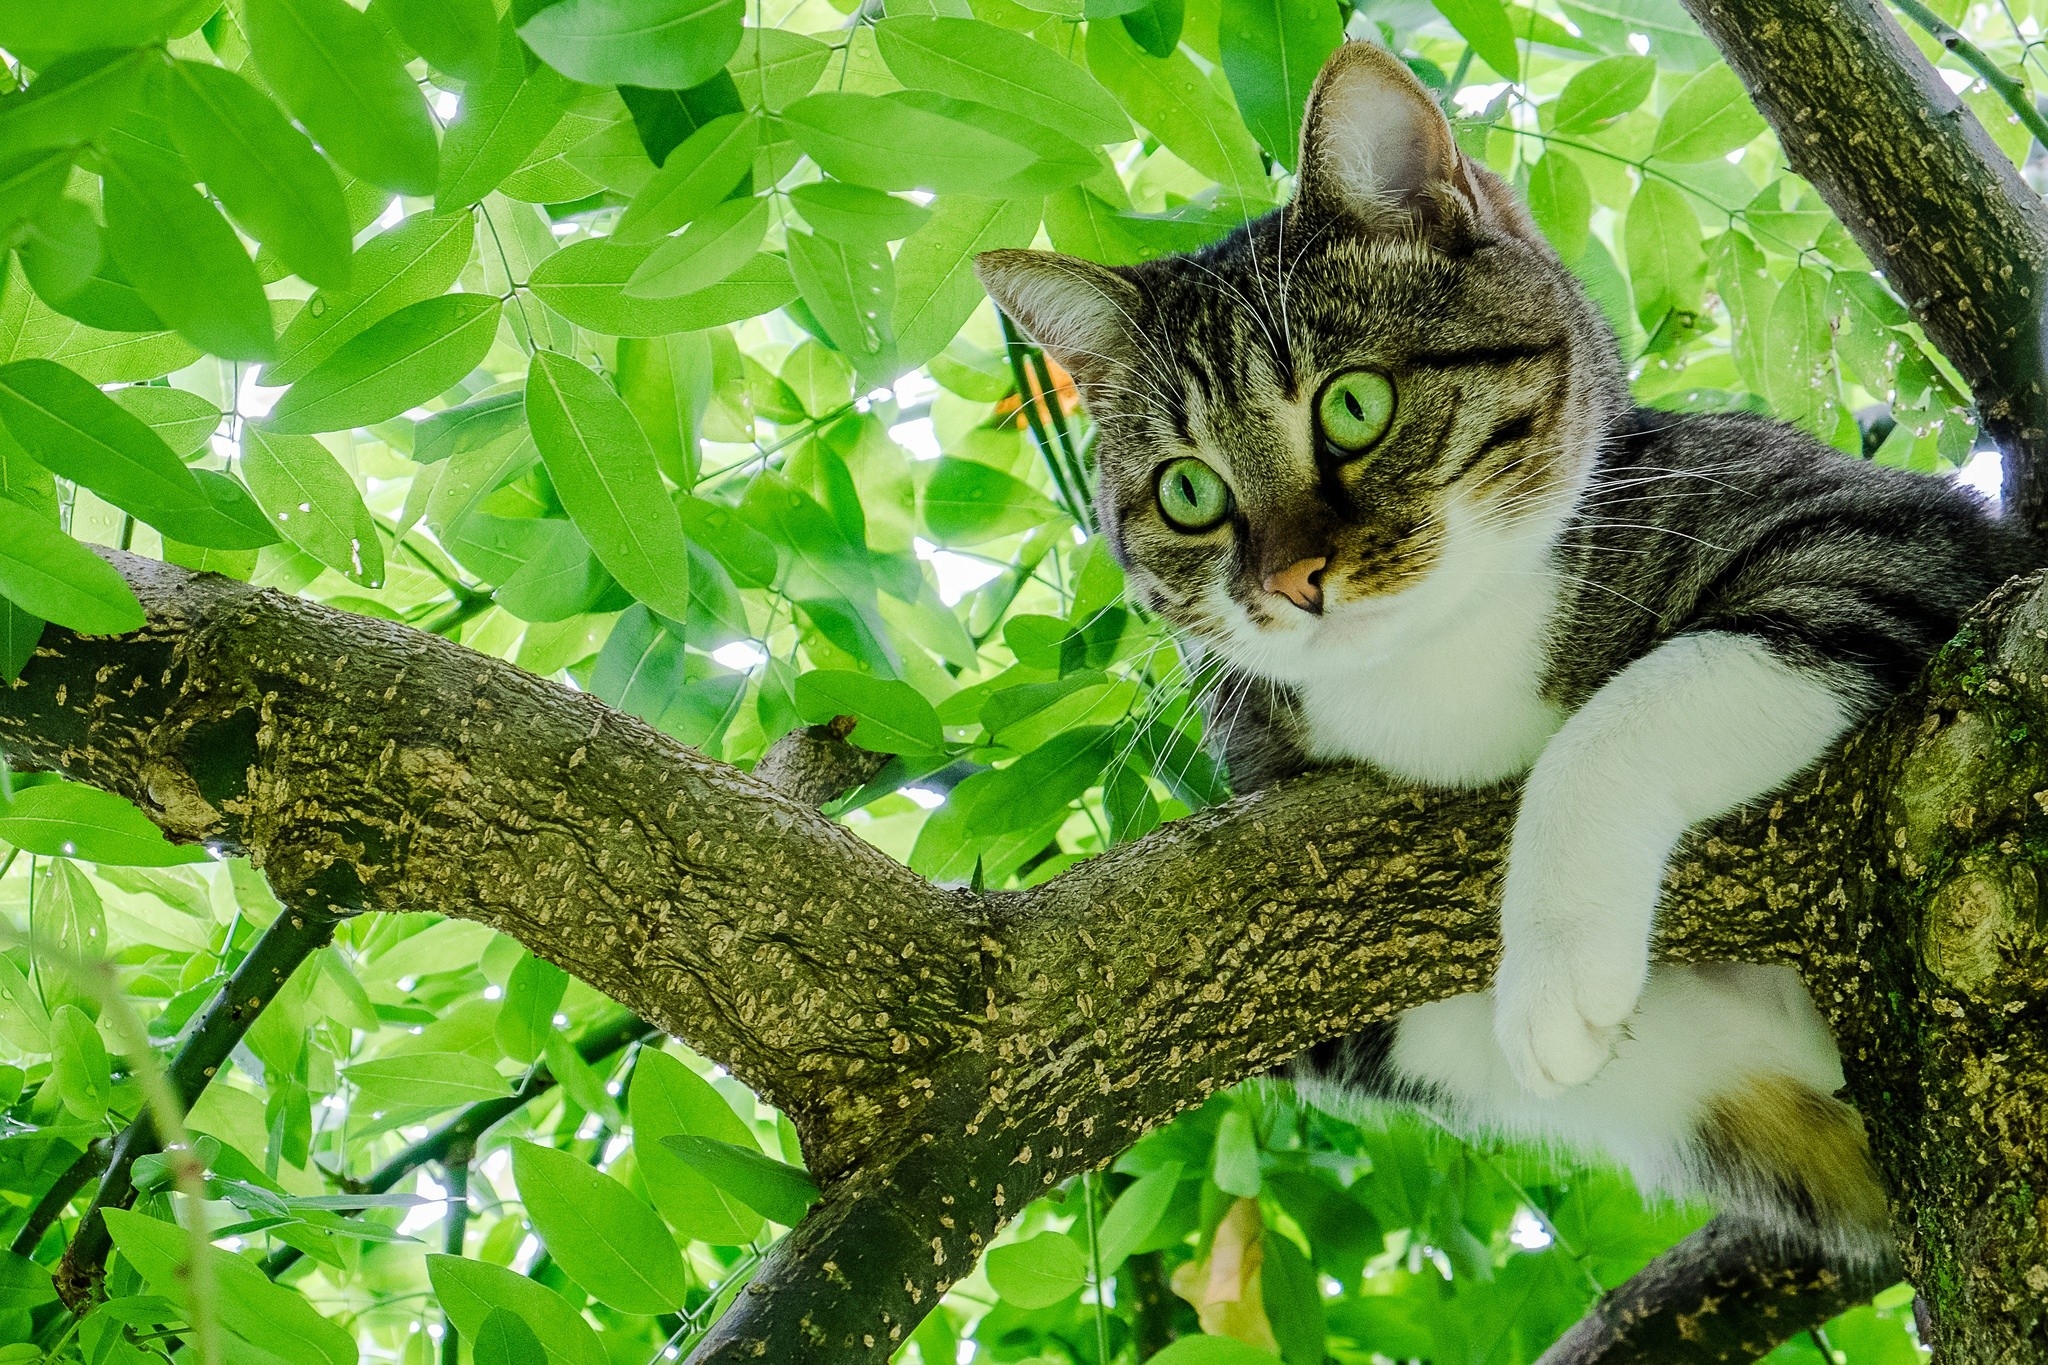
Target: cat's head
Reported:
[(1308, 423)]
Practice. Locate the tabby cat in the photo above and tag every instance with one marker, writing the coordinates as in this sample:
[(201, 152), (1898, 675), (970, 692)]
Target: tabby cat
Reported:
[(1375, 453)]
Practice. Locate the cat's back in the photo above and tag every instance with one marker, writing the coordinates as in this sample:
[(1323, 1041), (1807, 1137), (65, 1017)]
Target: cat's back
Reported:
[(1732, 521)]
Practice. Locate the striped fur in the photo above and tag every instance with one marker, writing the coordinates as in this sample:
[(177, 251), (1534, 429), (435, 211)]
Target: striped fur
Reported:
[(1655, 617)]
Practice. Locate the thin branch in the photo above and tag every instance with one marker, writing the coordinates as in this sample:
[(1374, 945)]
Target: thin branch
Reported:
[(1729, 1293), (2015, 94), (467, 1129), (291, 938)]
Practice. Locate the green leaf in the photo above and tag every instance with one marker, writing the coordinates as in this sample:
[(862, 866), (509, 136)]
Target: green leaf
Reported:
[(1272, 50), (1485, 25), (1799, 369), (775, 66), (667, 1099), (333, 68), (603, 1237), (74, 430), (1710, 117), (894, 718), (527, 1015), (40, 35), (416, 259), (1003, 816), (230, 519), (888, 142), (975, 60), (1178, 105), (605, 473), (184, 259), (1037, 1272), (1135, 1213), (505, 1339), (78, 1064), (586, 283), (313, 501), (20, 632), (661, 44), (1157, 27), (181, 419), (1293, 1301), (851, 291), (1667, 265), (469, 1291), (459, 37), (698, 174), (857, 214), (427, 1080), (50, 575), (282, 192), (402, 361), (1561, 202), (1210, 1351), (774, 1189), (75, 101), (667, 381), (503, 118), (1235, 1165), (936, 289), (964, 502), (710, 250), (1605, 90), (271, 1318), (67, 820), (30, 182)]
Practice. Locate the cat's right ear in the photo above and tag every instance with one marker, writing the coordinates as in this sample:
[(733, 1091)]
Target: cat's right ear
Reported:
[(1083, 314), (1375, 147)]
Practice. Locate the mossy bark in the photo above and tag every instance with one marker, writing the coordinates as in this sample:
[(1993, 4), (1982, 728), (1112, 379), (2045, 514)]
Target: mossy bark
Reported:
[(948, 1056)]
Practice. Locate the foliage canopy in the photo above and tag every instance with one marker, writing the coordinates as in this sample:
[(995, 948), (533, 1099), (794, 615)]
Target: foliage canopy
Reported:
[(637, 342)]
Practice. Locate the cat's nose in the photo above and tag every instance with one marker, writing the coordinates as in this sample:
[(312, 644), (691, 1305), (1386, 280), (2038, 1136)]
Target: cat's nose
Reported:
[(1301, 583)]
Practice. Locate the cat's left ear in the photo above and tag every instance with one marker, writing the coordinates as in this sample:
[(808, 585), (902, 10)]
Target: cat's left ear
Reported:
[(1084, 315), (1377, 150)]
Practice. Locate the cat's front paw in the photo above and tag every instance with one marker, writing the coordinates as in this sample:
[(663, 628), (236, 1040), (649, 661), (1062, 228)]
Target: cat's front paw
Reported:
[(1559, 1017)]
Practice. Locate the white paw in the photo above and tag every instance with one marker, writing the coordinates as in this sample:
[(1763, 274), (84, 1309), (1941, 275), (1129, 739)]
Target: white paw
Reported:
[(1559, 1017)]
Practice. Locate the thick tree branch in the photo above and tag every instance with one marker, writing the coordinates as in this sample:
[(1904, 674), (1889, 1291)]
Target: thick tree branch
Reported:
[(1728, 1294), (947, 1056), (1915, 178)]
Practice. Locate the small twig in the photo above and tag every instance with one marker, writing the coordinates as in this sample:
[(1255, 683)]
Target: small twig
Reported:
[(2012, 92), (473, 1122)]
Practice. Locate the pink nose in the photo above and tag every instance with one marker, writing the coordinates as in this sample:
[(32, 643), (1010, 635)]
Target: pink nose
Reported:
[(1301, 583)]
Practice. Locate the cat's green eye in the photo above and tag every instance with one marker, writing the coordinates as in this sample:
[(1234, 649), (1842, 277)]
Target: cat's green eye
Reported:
[(1192, 496), (1356, 409)]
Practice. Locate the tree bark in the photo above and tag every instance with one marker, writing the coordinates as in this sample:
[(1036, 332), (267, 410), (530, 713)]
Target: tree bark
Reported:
[(1918, 182), (948, 1056), (1729, 1294)]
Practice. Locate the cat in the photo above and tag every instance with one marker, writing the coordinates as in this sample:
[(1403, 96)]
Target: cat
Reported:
[(1375, 453)]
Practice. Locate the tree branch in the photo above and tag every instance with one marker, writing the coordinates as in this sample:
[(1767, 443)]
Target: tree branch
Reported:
[(948, 1056), (291, 938), (1918, 182), (1729, 1294)]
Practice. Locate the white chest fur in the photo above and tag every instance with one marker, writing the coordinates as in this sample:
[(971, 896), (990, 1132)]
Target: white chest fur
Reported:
[(1441, 686)]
